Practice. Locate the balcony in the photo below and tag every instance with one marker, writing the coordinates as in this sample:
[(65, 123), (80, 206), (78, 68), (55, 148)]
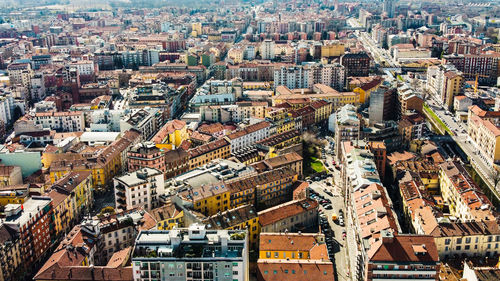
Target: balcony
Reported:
[(120, 194), (120, 187), (121, 201)]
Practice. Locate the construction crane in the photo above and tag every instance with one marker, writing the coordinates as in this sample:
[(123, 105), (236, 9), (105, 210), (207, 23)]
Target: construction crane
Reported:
[(477, 78)]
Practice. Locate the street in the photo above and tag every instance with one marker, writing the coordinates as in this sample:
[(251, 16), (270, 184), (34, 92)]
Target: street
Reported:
[(380, 55), (467, 145), (341, 255)]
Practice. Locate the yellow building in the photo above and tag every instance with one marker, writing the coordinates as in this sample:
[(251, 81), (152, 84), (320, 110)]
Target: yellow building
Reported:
[(291, 246), (264, 190), (486, 136), (364, 86), (243, 217), (14, 196), (214, 37), (104, 166), (10, 253), (332, 50), (168, 216), (236, 54), (322, 110), (201, 155), (173, 133), (208, 199), (257, 85), (465, 199), (196, 26), (71, 197), (10, 175)]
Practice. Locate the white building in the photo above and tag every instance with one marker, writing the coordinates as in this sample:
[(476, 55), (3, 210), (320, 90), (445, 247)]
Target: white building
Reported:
[(248, 135), (267, 50), (6, 108), (105, 120), (85, 67), (20, 73), (296, 77), (192, 253), (38, 91), (145, 121), (141, 188), (73, 121)]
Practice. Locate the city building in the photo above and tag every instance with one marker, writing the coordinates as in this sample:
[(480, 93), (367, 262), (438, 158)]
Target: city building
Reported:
[(191, 253), (293, 216), (356, 64), (32, 222), (248, 136), (293, 256), (73, 121), (141, 188), (393, 255), (444, 82), (346, 126)]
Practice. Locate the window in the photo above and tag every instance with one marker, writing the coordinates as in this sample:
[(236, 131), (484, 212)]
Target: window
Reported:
[(275, 272), (276, 254)]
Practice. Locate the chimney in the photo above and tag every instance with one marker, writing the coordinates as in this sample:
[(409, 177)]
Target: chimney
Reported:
[(387, 236)]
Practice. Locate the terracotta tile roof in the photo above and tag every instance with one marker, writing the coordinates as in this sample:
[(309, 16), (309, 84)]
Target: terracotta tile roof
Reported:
[(208, 147), (249, 129), (404, 248), (120, 258), (211, 129), (288, 241), (294, 270), (286, 210), (282, 160), (200, 137), (169, 128), (167, 211), (83, 273), (231, 218)]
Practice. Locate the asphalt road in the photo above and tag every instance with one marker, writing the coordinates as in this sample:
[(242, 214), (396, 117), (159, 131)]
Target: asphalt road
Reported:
[(341, 255)]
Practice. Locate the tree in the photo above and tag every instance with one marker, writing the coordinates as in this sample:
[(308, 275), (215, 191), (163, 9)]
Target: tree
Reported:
[(17, 113)]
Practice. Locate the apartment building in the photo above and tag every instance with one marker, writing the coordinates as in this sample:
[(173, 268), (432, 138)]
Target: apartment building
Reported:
[(84, 67), (484, 65), (203, 154), (145, 121), (242, 218), (119, 231), (346, 125), (293, 256), (248, 136), (396, 255), (72, 196), (171, 135), (356, 64), (485, 136), (20, 73), (444, 82), (32, 222), (10, 253), (145, 154), (293, 216), (295, 77), (466, 200), (191, 253), (141, 188), (73, 121), (291, 160), (264, 190)]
